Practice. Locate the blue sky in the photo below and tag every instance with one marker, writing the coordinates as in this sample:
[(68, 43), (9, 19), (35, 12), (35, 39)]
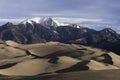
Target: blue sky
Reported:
[(88, 12)]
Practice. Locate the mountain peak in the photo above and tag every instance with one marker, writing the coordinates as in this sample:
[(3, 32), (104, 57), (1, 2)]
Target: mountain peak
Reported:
[(8, 24), (47, 21), (109, 30)]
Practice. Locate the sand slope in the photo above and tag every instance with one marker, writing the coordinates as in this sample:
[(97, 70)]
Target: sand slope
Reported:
[(53, 57)]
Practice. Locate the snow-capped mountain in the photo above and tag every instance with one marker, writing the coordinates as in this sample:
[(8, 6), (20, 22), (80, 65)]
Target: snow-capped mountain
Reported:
[(36, 30), (43, 21)]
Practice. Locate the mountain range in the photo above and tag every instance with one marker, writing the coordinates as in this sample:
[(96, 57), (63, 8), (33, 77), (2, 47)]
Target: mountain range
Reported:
[(43, 30), (45, 49)]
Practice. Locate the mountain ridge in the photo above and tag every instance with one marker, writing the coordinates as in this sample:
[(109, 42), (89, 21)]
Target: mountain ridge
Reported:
[(47, 21), (26, 34)]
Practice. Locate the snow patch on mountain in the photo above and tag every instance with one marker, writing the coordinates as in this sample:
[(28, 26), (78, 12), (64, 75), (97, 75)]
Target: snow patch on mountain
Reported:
[(43, 21)]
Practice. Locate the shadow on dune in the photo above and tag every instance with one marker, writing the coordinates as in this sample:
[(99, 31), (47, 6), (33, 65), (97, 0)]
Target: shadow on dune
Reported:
[(7, 65), (81, 66)]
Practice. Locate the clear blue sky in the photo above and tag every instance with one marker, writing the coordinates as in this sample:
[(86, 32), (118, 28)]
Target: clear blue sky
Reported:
[(84, 11)]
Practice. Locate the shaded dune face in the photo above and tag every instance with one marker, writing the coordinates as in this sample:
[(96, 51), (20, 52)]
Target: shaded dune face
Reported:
[(53, 57), (7, 65), (107, 59), (81, 66)]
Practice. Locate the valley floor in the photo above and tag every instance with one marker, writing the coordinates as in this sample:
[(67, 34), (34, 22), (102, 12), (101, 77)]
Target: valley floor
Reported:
[(81, 75)]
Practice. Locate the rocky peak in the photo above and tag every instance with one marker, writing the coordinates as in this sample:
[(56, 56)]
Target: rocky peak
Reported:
[(108, 30)]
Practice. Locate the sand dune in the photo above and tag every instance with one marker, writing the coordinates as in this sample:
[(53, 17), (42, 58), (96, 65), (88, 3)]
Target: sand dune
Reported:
[(94, 65), (10, 52), (115, 59), (37, 66), (12, 43), (53, 57)]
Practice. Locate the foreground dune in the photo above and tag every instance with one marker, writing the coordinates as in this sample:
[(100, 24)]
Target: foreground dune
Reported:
[(53, 57), (37, 66)]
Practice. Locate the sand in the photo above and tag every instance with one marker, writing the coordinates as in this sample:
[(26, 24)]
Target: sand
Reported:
[(52, 57)]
